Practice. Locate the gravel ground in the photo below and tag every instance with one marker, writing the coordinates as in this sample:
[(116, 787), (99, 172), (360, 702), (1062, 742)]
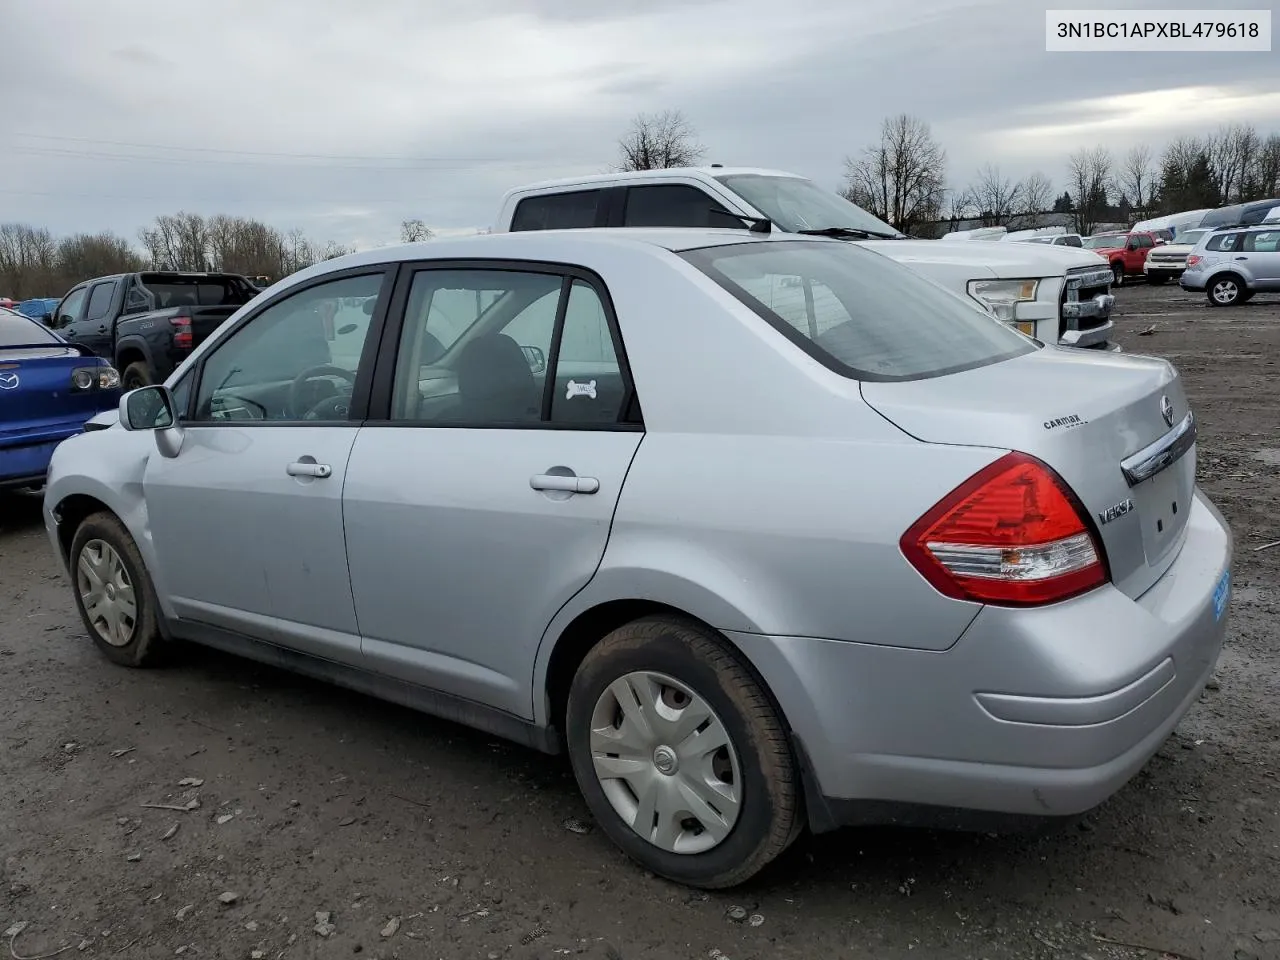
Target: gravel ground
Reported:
[(422, 839)]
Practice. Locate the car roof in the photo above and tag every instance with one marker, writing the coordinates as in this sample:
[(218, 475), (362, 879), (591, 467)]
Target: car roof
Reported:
[(625, 175), (581, 246)]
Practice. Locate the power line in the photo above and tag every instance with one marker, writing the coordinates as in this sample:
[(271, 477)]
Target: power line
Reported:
[(223, 200), (217, 161), (261, 153)]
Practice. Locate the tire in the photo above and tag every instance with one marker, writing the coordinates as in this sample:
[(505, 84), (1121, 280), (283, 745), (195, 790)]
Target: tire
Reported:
[(104, 546), (677, 666), (1225, 290), (1156, 279), (135, 375), (1117, 274)]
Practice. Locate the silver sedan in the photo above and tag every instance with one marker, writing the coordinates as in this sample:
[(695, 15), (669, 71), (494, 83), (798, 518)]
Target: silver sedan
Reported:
[(767, 533)]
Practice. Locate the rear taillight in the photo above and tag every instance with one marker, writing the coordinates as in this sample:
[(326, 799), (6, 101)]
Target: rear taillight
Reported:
[(101, 377), (1013, 535), (1193, 260), (182, 336)]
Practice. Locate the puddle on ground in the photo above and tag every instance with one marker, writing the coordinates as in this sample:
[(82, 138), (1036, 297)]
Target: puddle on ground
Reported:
[(1268, 455)]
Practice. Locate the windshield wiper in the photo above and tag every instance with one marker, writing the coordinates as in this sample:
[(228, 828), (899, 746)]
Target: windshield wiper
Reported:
[(851, 232)]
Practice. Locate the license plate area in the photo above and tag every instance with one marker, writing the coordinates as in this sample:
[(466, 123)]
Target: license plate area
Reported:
[(1164, 503)]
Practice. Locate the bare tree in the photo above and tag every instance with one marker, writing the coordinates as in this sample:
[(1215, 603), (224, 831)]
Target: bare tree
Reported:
[(1089, 176), (1267, 173), (412, 231), (901, 179), (1137, 177), (28, 260), (994, 197), (1037, 199), (658, 141)]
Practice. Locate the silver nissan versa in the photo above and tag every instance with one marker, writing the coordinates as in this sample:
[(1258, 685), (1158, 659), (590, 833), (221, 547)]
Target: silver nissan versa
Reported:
[(766, 532)]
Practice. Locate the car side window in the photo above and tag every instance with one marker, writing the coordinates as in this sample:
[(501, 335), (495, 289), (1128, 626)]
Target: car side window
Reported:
[(674, 205), (135, 299), (557, 211), (295, 360), (491, 359), (1263, 241), (100, 300), (589, 385), (1223, 241), (474, 346), (70, 307), (1145, 243)]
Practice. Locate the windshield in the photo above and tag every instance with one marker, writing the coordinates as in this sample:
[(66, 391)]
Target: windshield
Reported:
[(19, 331), (1104, 241), (1191, 237), (860, 314), (795, 204)]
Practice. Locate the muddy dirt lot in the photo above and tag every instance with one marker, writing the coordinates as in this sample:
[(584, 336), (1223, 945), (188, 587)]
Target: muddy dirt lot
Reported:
[(421, 839)]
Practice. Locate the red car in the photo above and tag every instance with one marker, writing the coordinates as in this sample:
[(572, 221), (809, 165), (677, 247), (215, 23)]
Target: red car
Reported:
[(1126, 252)]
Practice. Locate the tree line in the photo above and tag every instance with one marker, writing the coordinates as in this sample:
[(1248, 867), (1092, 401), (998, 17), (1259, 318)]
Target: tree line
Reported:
[(33, 263), (902, 176)]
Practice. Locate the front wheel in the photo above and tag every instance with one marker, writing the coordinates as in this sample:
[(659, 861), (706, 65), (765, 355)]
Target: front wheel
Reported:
[(680, 754), (114, 593), (1117, 275)]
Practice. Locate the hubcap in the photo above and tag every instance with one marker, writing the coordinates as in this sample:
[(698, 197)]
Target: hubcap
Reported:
[(665, 762), (106, 593)]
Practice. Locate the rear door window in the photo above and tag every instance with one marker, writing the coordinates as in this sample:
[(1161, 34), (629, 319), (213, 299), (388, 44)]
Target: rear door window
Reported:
[(858, 313), (100, 300), (558, 211), (674, 205)]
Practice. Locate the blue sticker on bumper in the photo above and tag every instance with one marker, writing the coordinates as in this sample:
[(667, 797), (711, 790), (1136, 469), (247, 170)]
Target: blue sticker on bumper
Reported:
[(1220, 595)]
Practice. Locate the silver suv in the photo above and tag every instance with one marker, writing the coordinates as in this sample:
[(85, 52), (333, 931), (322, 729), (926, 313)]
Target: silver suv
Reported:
[(1231, 265)]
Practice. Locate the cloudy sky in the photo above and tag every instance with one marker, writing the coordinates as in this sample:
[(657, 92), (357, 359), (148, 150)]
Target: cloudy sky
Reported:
[(344, 117)]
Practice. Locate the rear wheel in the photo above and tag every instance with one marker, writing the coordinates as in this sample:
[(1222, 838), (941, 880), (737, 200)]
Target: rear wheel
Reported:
[(1117, 274), (680, 754), (1225, 290), (114, 593), (135, 375)]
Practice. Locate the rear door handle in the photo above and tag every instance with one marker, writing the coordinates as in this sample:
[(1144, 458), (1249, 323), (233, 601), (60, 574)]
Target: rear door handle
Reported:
[(302, 469), (1242, 258), (547, 481)]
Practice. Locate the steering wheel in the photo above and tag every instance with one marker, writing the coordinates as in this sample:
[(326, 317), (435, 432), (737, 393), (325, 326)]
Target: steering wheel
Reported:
[(330, 408)]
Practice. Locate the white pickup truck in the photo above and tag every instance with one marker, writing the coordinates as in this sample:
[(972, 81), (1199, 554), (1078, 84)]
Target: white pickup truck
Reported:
[(1056, 294)]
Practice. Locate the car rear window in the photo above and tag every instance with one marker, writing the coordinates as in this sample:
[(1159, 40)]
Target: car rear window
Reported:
[(860, 314), (18, 331), (1224, 241), (197, 291)]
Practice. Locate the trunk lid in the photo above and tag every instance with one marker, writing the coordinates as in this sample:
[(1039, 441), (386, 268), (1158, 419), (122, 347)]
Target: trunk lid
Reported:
[(1083, 415), (35, 390)]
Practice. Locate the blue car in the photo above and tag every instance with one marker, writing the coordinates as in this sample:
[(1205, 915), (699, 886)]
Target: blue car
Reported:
[(37, 307), (48, 389)]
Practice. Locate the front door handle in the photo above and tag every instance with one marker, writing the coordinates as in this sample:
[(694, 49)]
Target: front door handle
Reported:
[(301, 468), (548, 481)]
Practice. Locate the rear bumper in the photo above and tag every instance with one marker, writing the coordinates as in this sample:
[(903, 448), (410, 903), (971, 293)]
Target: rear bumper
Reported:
[(1032, 713), (1195, 284), (24, 455)]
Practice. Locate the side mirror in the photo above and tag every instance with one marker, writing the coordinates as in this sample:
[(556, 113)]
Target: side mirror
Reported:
[(152, 408)]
